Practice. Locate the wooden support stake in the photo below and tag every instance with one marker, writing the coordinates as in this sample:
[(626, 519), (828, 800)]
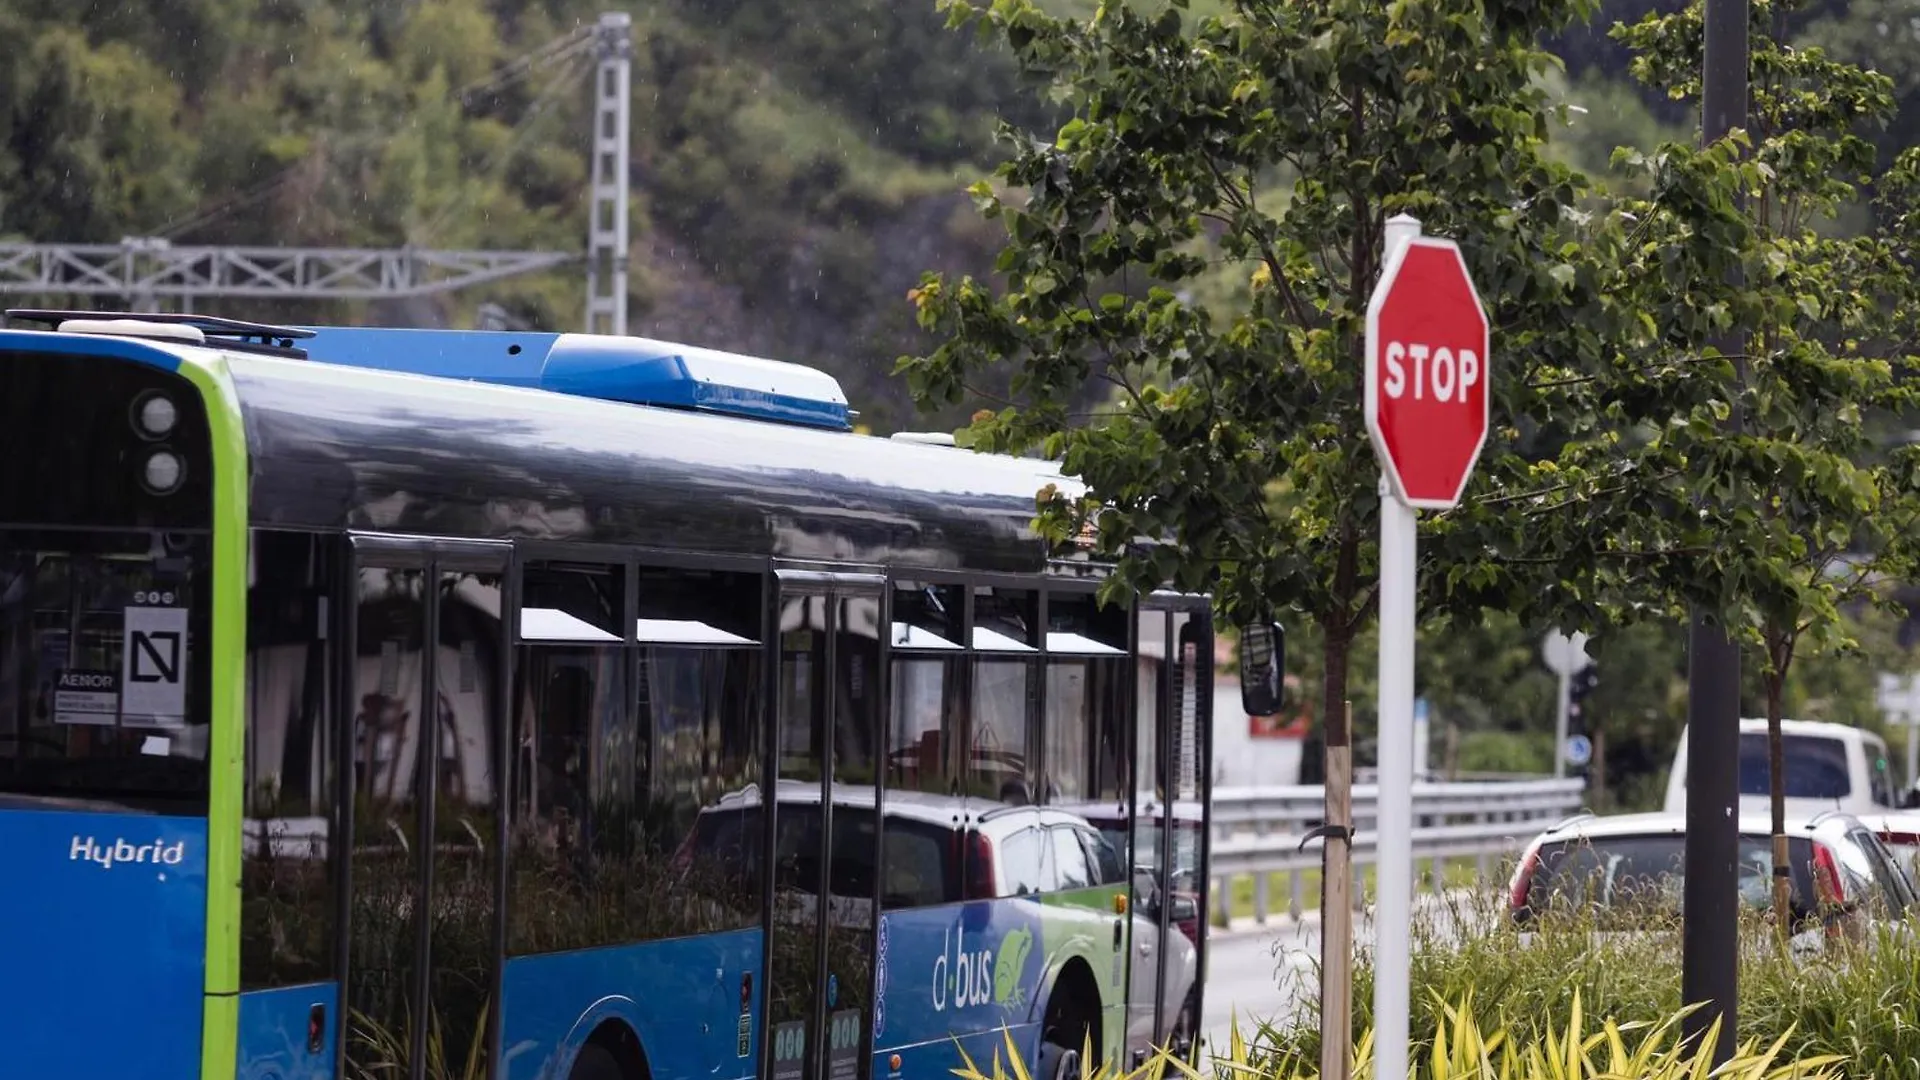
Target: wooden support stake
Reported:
[(1336, 906)]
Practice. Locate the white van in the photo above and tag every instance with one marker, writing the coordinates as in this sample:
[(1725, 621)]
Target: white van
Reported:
[(1829, 767)]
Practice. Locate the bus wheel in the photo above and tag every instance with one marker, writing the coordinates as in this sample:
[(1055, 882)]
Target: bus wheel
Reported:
[(1071, 1026), (1057, 1062)]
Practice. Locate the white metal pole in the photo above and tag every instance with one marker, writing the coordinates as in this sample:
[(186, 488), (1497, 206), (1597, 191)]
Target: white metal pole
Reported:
[(1913, 753), (1399, 537), (1565, 706)]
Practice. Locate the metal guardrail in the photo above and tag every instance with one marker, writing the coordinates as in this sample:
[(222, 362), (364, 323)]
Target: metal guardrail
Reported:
[(1257, 831)]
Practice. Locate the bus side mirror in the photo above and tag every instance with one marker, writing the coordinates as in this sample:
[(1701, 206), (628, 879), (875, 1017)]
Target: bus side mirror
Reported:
[(1263, 666)]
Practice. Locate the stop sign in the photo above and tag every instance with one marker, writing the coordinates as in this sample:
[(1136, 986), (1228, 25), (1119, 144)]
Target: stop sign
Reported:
[(1426, 378)]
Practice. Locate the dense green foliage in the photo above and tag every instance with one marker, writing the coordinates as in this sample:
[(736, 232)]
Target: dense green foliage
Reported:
[(795, 167), (1203, 235)]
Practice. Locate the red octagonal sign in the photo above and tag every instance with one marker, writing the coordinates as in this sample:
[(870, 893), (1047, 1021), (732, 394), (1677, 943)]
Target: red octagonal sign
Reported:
[(1426, 379)]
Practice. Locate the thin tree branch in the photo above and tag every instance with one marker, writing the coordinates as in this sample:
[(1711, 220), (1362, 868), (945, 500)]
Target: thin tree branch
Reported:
[(1555, 384)]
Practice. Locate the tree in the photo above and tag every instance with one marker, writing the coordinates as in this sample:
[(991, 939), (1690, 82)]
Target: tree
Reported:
[(1820, 516), (1237, 434)]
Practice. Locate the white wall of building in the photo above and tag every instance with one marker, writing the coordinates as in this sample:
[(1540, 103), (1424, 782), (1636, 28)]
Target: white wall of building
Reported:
[(1239, 759)]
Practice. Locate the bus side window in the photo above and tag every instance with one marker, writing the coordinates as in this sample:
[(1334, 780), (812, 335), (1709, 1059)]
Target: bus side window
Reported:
[(287, 907), (1086, 675), (699, 705), (571, 799)]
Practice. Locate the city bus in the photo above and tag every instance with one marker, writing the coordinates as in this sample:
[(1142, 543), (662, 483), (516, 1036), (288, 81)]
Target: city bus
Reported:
[(425, 704)]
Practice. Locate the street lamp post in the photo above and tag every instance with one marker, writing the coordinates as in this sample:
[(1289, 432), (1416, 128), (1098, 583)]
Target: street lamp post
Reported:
[(1709, 973)]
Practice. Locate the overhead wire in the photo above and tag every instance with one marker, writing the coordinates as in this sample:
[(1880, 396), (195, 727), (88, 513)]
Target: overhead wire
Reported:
[(562, 50), (559, 50), (573, 71)]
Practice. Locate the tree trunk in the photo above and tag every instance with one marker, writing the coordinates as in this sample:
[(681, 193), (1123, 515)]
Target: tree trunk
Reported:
[(1777, 799), (1335, 655)]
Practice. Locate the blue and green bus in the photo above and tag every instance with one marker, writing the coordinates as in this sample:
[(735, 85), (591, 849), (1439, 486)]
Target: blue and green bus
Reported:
[(431, 704)]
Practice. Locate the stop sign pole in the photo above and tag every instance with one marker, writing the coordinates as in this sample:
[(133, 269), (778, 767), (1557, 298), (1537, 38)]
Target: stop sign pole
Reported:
[(1427, 409)]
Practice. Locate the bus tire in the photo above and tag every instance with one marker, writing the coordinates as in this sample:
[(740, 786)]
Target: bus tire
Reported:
[(1072, 1025), (1057, 1062)]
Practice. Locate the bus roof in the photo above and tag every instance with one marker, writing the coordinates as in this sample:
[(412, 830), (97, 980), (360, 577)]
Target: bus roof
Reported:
[(337, 447), (352, 446)]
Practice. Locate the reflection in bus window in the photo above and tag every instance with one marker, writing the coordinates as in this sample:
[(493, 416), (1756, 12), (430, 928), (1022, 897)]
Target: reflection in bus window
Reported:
[(465, 737), (386, 894), (998, 769), (858, 715), (287, 908), (1006, 627), (1023, 863), (701, 709), (1150, 665), (1085, 730), (613, 778), (1068, 716), (1086, 669), (928, 713), (925, 704), (1069, 859), (920, 864), (69, 728), (1102, 856)]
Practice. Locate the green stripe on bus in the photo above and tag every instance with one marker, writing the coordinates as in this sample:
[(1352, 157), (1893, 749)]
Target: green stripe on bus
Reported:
[(220, 1025)]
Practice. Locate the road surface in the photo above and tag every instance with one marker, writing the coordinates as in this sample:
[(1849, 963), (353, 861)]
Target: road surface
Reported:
[(1259, 975), (1269, 974)]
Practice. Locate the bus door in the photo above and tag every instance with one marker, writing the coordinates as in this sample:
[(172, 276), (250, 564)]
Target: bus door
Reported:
[(830, 706), (421, 694), (1173, 711)]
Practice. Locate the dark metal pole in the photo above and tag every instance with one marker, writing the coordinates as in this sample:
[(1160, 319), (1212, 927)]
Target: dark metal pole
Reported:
[(1710, 933)]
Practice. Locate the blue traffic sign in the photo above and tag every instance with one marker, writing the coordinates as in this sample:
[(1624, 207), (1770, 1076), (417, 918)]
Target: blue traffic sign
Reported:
[(1579, 750)]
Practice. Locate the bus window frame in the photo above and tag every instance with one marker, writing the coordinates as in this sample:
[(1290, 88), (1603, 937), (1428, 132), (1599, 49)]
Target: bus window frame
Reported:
[(431, 556), (1165, 604), (835, 583)]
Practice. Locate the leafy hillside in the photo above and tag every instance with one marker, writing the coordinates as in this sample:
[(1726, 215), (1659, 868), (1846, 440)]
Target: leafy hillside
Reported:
[(796, 166)]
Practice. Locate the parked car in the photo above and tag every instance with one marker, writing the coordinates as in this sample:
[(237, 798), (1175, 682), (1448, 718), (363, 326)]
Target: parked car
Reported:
[(1900, 831), (943, 853), (1828, 767), (1628, 871), (1114, 821)]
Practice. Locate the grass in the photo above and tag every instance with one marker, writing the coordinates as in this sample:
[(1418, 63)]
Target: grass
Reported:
[(1857, 998), (1567, 1045)]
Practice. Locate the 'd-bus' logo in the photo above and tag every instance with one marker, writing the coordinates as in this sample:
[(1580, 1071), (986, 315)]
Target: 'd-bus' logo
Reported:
[(111, 855), (968, 975), (973, 977)]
